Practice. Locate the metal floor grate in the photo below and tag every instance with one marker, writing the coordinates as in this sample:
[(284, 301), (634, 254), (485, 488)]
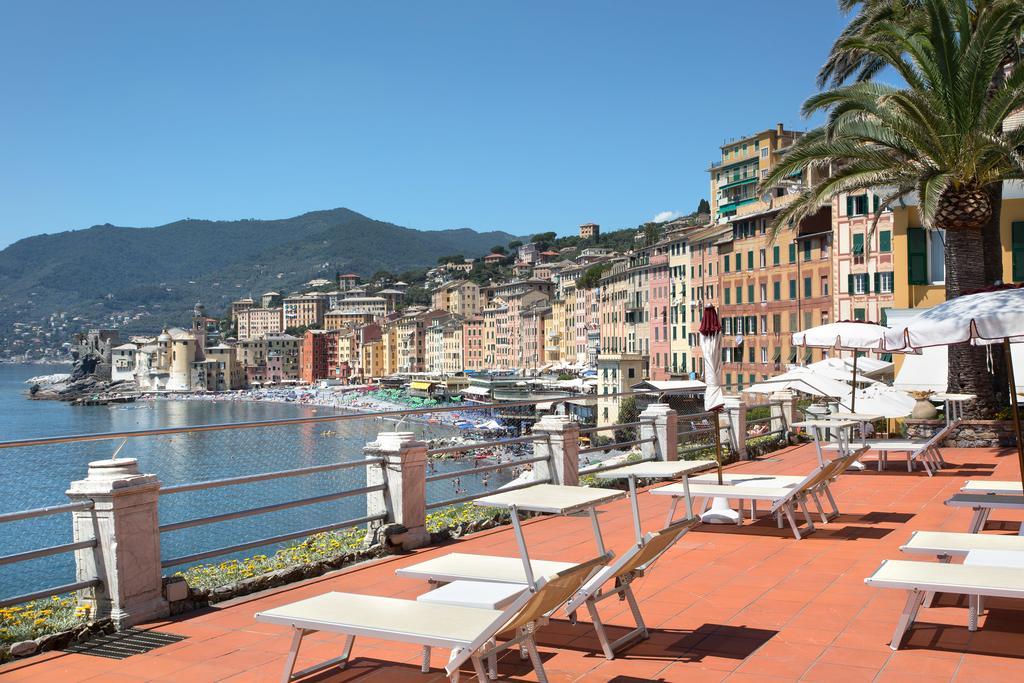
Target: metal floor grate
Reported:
[(124, 644)]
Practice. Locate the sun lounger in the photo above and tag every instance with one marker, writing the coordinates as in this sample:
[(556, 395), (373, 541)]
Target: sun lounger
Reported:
[(983, 504), (924, 452), (989, 486), (948, 544), (631, 565), (470, 633), (784, 500), (920, 579)]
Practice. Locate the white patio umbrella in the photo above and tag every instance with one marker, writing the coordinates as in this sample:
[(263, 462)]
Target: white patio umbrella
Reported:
[(983, 318), (714, 402), (806, 381), (880, 399), (850, 335)]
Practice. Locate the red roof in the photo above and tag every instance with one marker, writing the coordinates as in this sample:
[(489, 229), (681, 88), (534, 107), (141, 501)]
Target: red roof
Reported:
[(549, 253), (350, 276), (494, 256)]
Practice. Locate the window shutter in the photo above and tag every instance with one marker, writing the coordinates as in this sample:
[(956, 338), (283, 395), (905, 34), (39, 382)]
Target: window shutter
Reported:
[(792, 253), (877, 203), (885, 240), (750, 294), (878, 282), (849, 284), (917, 256), (858, 243), (849, 205), (1017, 234), (775, 254)]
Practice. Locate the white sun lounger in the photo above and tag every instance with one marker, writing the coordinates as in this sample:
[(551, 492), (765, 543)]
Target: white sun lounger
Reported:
[(920, 579), (990, 486), (924, 452), (631, 565), (784, 500), (983, 504), (470, 633), (948, 544)]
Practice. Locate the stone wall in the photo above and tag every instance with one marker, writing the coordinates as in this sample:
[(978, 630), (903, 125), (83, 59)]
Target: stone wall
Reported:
[(970, 433)]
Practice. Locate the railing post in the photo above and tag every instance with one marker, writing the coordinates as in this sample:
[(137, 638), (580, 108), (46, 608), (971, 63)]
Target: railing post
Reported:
[(783, 405), (403, 500), (561, 446), (126, 559), (736, 419), (658, 421)]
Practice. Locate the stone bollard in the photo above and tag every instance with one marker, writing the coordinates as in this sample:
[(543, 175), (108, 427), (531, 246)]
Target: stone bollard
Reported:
[(403, 500), (561, 446), (660, 422), (736, 418), (126, 559), (783, 407)]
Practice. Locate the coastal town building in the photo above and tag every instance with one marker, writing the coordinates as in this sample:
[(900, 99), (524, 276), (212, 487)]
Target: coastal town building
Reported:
[(256, 322), (243, 304), (341, 318), (590, 231), (304, 310), (458, 297)]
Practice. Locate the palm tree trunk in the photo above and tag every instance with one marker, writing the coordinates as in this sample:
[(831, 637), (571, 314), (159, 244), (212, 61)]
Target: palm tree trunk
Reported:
[(992, 244), (968, 369)]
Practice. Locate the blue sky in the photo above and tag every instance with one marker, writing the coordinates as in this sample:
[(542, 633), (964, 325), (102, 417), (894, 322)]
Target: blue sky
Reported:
[(519, 116)]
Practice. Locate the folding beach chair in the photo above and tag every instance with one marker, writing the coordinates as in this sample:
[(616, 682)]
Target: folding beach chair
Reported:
[(470, 633)]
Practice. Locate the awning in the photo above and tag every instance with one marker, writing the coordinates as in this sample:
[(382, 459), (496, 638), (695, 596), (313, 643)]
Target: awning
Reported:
[(544, 405), (477, 391), (421, 386)]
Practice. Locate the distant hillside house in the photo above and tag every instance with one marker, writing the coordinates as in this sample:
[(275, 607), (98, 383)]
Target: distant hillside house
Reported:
[(494, 258), (590, 231), (347, 281)]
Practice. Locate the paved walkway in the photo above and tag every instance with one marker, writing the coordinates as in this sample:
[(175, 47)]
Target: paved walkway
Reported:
[(727, 603)]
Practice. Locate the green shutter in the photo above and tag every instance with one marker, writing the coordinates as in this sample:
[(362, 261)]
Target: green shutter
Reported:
[(750, 260), (775, 254), (807, 288), (807, 250), (739, 294), (777, 290), (884, 317), (917, 256), (878, 282), (849, 284), (877, 203), (792, 253), (858, 243), (725, 264), (859, 314), (727, 296), (849, 205), (739, 263), (1017, 235), (792, 289), (885, 240), (750, 294)]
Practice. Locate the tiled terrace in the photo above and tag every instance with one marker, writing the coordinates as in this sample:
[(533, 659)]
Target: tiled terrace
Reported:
[(737, 604)]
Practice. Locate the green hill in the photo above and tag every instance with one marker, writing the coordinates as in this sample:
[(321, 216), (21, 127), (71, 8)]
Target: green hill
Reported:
[(109, 270)]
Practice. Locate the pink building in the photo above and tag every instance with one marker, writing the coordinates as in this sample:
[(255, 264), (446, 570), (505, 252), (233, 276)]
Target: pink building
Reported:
[(659, 302)]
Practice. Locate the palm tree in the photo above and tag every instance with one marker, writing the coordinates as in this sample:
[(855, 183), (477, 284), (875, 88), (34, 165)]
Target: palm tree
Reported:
[(940, 137), (853, 58)]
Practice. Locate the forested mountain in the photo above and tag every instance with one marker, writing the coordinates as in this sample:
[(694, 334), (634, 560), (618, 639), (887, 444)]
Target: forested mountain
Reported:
[(109, 269)]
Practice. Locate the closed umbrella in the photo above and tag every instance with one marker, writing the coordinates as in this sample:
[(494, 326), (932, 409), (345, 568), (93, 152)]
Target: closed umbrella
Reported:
[(991, 317), (714, 402), (846, 335)]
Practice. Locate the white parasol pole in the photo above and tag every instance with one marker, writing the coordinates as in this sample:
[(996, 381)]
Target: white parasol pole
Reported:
[(1013, 402), (853, 395)]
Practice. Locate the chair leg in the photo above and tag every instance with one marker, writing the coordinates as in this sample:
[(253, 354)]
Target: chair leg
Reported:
[(671, 510), (907, 618), (778, 518), (831, 500), (478, 668), (293, 653), (492, 661), (425, 666), (802, 502), (538, 665), (788, 511), (635, 609), (821, 510), (972, 613), (523, 654), (602, 634)]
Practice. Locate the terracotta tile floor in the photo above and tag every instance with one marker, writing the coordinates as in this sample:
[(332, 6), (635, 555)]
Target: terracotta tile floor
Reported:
[(726, 603)]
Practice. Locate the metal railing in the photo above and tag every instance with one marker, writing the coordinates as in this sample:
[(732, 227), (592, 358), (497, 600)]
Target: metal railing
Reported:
[(264, 509), (27, 555)]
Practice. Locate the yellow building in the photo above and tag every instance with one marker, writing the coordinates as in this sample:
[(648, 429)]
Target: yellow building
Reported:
[(745, 161)]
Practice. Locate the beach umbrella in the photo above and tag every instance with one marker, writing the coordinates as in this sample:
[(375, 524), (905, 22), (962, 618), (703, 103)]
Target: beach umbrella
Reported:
[(714, 402), (806, 381), (845, 335), (989, 317)]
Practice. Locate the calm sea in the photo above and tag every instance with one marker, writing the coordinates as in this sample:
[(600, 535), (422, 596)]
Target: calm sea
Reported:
[(39, 476)]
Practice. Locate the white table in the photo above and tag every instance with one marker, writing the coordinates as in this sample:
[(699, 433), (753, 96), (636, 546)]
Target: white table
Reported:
[(819, 430), (480, 594), (988, 558), (952, 405), (666, 469), (552, 499)]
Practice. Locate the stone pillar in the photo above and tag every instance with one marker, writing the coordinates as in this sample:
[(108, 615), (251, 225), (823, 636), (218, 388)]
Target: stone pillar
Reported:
[(403, 500), (126, 559), (735, 416), (561, 446), (783, 409), (659, 421)]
